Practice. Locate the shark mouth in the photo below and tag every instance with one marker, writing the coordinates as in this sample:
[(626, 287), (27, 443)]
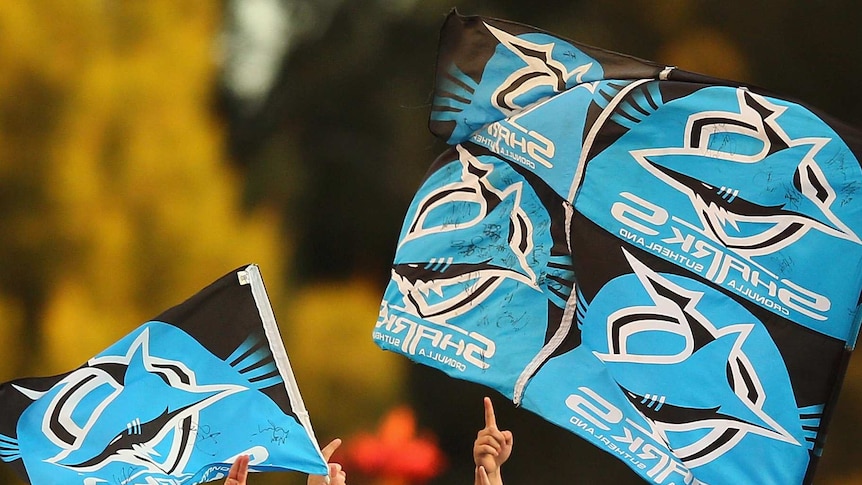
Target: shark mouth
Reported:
[(134, 440), (438, 291), (747, 227)]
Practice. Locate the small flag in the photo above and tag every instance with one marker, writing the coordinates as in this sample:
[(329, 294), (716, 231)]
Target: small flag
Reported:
[(663, 263), (173, 402)]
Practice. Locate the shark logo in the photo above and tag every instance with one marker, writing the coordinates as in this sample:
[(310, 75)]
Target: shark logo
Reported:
[(92, 403), (521, 72), (160, 404), (101, 418), (484, 249), (441, 288), (783, 202), (691, 378), (541, 70)]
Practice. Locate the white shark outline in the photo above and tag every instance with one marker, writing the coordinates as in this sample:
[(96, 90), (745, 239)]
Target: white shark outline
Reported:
[(723, 210), (722, 427)]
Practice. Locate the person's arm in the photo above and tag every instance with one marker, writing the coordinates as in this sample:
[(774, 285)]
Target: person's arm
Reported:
[(337, 476), (491, 449)]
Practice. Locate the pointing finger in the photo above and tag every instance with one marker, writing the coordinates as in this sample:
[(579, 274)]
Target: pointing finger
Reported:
[(490, 419), (329, 449)]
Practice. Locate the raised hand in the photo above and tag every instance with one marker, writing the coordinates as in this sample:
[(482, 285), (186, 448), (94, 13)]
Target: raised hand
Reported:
[(492, 448), (239, 470), (336, 476)]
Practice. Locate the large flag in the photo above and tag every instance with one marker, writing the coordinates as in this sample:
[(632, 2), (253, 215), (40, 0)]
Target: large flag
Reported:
[(173, 402), (666, 264)]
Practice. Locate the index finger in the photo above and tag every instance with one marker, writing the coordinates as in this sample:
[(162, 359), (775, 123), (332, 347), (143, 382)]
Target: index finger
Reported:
[(482, 476), (490, 419), (329, 449)]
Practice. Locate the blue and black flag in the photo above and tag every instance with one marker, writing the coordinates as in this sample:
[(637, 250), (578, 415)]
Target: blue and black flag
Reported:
[(173, 402), (644, 256)]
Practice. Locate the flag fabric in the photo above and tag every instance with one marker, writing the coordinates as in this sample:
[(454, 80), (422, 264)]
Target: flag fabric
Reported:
[(173, 402), (663, 263)]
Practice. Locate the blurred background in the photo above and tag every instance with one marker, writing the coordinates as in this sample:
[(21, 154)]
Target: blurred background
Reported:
[(147, 148)]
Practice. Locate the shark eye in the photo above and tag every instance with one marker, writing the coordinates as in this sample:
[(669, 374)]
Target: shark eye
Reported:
[(808, 181), (707, 186), (171, 374), (739, 377)]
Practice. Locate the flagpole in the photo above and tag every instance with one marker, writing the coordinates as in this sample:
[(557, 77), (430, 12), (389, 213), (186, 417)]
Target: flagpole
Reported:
[(253, 277)]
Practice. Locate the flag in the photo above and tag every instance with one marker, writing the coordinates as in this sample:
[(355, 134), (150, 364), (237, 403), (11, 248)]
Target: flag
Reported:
[(663, 263), (173, 402)]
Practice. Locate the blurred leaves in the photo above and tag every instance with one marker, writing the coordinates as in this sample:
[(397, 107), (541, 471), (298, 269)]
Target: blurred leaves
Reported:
[(115, 195), (116, 199)]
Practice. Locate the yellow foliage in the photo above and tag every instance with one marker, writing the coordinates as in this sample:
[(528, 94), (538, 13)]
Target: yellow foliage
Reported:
[(135, 202), (79, 328), (115, 192), (10, 325)]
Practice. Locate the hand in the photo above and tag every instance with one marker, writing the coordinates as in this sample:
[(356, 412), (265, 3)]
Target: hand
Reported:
[(492, 447), (238, 471), (337, 476)]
